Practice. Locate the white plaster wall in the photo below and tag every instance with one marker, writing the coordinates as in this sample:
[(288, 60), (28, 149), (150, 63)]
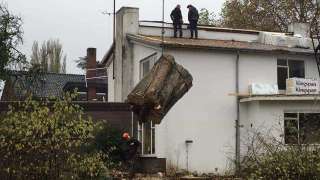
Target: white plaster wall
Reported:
[(110, 83), (140, 52), (267, 117), (262, 68), (206, 114), (256, 68)]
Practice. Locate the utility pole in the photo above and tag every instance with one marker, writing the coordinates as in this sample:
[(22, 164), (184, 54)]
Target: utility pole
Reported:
[(114, 21), (162, 31)]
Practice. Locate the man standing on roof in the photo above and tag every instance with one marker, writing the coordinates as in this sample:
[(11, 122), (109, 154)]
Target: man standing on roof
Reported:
[(176, 17), (193, 17)]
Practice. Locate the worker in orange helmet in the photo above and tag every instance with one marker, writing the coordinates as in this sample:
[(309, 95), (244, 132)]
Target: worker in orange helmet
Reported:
[(126, 136), (128, 152)]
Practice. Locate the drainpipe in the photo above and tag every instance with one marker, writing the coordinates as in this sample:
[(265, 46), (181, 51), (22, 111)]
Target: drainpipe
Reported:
[(237, 123)]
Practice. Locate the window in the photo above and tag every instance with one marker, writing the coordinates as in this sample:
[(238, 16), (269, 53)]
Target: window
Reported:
[(102, 97), (82, 96), (302, 128), (146, 64), (146, 135), (289, 69), (146, 131)]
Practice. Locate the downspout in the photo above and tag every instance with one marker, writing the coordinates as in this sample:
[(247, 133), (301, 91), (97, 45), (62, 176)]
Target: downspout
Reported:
[(237, 123)]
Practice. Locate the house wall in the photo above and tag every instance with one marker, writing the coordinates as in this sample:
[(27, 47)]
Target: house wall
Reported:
[(267, 117), (141, 51), (207, 113), (262, 68), (196, 116), (126, 22), (111, 85)]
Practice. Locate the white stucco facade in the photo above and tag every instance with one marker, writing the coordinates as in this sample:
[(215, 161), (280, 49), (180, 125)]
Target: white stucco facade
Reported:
[(207, 114)]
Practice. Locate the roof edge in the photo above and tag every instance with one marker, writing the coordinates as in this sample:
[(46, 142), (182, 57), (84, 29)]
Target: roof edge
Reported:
[(280, 51), (206, 27)]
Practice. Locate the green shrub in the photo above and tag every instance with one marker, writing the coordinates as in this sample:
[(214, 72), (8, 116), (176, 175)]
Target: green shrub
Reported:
[(107, 140), (271, 159), (41, 141)]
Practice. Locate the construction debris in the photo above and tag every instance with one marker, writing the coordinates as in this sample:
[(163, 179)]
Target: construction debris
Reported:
[(159, 90)]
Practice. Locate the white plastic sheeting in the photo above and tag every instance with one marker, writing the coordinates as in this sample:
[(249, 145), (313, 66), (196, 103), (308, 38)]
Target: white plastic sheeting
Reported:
[(263, 89), (281, 39)]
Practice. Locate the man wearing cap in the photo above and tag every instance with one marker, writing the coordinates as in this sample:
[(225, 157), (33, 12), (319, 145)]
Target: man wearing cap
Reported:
[(193, 17), (176, 17)]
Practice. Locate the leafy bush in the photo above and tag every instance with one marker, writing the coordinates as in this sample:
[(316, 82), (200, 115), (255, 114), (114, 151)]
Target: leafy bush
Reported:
[(107, 140), (42, 141), (269, 158)]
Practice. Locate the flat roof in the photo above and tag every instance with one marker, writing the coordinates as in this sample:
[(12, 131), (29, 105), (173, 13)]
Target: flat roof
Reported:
[(158, 24), (213, 44)]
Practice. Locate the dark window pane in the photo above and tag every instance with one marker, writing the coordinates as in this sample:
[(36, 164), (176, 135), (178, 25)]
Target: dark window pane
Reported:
[(282, 62), (296, 69), (153, 141), (309, 124), (291, 115), (282, 76), (147, 138), (290, 131), (145, 68)]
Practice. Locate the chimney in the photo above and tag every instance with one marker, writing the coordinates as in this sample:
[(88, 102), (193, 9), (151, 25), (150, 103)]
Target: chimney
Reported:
[(127, 22), (91, 73), (302, 29)]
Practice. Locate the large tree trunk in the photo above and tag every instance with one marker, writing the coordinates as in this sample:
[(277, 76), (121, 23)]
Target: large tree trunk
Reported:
[(159, 90)]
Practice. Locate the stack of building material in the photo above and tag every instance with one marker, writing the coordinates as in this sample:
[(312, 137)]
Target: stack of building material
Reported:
[(160, 89)]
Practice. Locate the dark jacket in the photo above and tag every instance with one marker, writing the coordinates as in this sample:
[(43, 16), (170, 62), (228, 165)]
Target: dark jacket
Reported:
[(193, 14), (129, 149), (176, 15)]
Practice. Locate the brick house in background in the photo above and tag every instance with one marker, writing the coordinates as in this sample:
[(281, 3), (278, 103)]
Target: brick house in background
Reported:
[(42, 85), (92, 89)]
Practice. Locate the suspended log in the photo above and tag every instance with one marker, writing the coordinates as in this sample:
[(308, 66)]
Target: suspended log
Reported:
[(160, 89)]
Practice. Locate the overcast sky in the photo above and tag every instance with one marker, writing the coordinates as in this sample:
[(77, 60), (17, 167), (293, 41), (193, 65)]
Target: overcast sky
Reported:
[(80, 23)]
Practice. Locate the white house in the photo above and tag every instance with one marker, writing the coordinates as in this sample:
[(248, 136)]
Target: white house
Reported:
[(202, 131)]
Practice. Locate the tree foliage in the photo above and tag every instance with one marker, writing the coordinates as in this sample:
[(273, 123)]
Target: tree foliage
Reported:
[(49, 57), (42, 141), (207, 18), (268, 157), (269, 15), (10, 39), (82, 62)]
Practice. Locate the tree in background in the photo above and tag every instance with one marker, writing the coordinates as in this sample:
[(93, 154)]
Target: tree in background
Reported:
[(207, 18), (10, 39), (49, 57), (269, 15), (82, 62)]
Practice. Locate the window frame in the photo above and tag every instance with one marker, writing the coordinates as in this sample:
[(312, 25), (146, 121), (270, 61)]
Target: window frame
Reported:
[(298, 125), (141, 138), (141, 126), (151, 59), (287, 67)]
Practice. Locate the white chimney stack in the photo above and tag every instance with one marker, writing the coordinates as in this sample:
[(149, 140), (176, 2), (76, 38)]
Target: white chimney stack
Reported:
[(300, 29)]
